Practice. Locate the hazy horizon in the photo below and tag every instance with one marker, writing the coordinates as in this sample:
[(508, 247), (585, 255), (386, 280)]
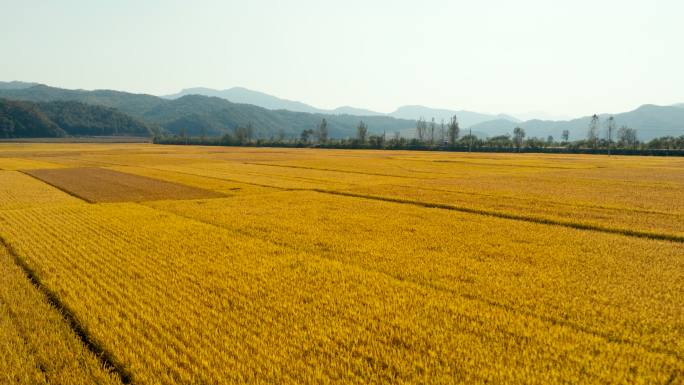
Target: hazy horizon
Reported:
[(557, 60)]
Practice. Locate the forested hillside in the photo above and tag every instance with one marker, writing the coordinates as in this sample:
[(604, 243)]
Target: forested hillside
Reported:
[(66, 118), (198, 115), (25, 119), (84, 119)]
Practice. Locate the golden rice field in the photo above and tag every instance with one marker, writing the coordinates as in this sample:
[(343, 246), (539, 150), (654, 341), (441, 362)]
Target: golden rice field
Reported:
[(145, 264)]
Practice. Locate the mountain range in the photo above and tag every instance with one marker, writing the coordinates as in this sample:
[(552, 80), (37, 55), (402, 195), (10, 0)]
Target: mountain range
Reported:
[(206, 115), (203, 111), (651, 121), (247, 96)]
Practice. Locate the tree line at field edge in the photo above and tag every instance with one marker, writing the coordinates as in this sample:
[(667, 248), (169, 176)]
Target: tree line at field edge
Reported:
[(449, 136)]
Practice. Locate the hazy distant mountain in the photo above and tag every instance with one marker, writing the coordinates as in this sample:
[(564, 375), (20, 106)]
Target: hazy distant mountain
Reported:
[(540, 115), (197, 114), (246, 96), (216, 116), (355, 111), (465, 118), (680, 105), (495, 127), (15, 85), (134, 104), (651, 121)]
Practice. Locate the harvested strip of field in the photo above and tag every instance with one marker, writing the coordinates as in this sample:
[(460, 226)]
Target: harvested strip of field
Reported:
[(36, 344), (103, 185)]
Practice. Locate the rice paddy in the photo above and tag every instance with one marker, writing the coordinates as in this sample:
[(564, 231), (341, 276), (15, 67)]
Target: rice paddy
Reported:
[(203, 265)]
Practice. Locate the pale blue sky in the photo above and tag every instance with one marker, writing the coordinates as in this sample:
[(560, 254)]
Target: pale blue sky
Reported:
[(564, 58)]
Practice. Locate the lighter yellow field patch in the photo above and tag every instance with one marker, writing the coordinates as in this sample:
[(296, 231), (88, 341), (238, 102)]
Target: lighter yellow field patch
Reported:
[(25, 164)]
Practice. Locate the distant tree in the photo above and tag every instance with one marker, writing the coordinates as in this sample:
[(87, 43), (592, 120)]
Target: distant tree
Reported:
[(376, 141), (250, 131), (442, 133), (306, 135), (666, 143), (592, 134), (454, 130), (535, 142), (611, 128), (6, 127), (184, 135), (361, 132), (626, 137), (433, 127), (470, 140), (518, 137), (565, 136), (322, 131), (244, 134), (280, 135), (501, 141), (421, 129), (549, 140)]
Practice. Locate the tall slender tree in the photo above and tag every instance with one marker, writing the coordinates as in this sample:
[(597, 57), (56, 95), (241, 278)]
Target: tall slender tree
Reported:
[(454, 130), (322, 131), (611, 128), (433, 126), (442, 132), (421, 128), (518, 137), (361, 132), (592, 134)]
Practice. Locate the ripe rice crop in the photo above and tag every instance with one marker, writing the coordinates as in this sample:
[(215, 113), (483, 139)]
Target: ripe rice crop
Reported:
[(24, 164), (36, 344), (327, 266)]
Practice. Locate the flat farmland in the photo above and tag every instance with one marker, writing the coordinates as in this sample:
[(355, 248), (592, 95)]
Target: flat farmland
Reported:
[(146, 264)]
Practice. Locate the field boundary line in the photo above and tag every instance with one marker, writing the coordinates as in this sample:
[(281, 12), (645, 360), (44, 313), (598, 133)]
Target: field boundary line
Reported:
[(105, 357), (337, 170), (509, 165), (470, 297), (505, 215), (73, 194), (536, 200)]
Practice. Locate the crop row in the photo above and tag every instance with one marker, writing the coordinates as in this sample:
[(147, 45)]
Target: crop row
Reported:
[(37, 346), (177, 300)]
